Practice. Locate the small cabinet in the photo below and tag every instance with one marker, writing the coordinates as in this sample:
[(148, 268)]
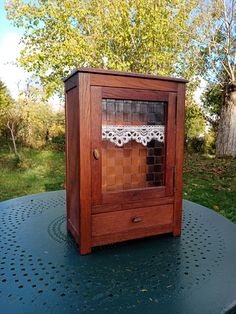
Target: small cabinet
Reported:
[(124, 139)]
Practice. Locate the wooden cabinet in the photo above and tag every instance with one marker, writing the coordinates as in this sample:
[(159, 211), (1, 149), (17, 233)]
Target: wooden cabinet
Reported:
[(124, 139)]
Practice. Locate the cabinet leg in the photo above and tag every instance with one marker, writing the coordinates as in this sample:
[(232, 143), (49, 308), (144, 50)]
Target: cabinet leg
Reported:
[(84, 249), (177, 232)]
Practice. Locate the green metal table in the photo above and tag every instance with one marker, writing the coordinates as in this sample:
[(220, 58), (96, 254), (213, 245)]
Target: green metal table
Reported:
[(41, 270)]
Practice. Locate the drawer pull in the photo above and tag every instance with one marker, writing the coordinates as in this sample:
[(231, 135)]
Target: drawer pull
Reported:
[(136, 220)]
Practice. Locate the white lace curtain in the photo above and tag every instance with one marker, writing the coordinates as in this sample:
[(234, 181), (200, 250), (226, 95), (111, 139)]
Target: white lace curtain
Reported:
[(122, 134)]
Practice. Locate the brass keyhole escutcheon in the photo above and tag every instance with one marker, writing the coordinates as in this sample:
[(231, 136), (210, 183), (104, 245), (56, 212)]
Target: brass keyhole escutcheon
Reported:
[(96, 154)]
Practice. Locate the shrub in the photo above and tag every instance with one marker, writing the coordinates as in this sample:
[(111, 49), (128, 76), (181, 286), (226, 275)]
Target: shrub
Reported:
[(58, 142)]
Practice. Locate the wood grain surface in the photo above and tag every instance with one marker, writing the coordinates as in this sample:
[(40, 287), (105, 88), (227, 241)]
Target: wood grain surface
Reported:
[(117, 194), (115, 222)]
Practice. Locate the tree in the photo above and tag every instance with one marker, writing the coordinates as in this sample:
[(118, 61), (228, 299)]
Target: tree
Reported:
[(6, 103), (37, 117), (146, 36), (29, 119), (195, 123), (13, 122), (9, 115), (212, 103), (219, 50)]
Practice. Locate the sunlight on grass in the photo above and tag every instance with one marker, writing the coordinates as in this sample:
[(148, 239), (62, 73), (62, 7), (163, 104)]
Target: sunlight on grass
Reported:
[(37, 171), (212, 183), (208, 181)]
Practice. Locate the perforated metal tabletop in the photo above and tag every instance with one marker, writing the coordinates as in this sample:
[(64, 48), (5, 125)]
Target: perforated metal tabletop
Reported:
[(41, 270)]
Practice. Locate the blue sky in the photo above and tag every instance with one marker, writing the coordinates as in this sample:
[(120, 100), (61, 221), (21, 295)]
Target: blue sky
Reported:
[(13, 76), (5, 25)]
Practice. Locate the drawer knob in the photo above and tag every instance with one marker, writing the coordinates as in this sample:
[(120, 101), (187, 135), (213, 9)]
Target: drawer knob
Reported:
[(136, 220)]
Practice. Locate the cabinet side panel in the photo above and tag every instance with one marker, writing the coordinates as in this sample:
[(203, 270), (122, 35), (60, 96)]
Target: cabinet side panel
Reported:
[(85, 163), (72, 162), (179, 159)]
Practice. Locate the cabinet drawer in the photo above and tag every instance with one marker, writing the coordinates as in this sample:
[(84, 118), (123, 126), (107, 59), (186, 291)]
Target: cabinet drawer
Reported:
[(140, 219)]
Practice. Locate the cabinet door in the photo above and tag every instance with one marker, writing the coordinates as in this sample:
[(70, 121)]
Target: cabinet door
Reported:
[(133, 144)]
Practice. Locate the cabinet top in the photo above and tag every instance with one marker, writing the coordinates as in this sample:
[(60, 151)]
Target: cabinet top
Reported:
[(121, 73)]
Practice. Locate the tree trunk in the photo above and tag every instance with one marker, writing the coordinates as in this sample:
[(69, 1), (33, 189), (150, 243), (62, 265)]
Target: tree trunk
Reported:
[(11, 128), (226, 137)]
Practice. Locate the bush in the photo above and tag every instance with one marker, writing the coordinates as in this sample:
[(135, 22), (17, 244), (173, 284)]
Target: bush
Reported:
[(210, 139), (201, 144), (58, 142), (196, 145), (195, 124)]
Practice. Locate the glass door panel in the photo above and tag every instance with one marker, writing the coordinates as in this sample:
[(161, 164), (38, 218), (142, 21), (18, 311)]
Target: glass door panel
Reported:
[(133, 144)]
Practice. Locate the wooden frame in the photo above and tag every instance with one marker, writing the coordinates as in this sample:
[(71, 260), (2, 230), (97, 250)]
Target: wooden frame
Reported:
[(95, 217), (111, 198)]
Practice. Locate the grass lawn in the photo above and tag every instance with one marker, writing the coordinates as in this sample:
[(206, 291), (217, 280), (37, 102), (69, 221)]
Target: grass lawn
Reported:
[(207, 181), (38, 171), (211, 182)]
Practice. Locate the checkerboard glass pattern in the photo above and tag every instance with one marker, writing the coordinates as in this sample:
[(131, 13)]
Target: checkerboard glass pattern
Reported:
[(133, 165)]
